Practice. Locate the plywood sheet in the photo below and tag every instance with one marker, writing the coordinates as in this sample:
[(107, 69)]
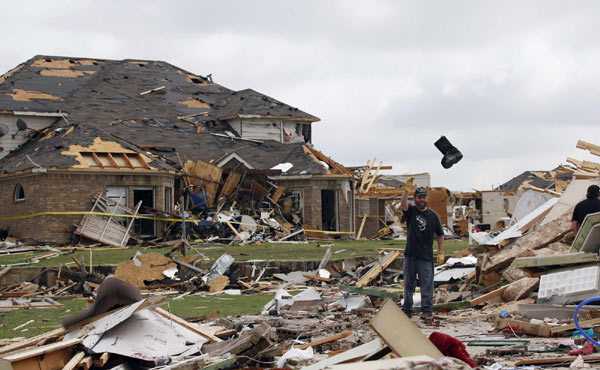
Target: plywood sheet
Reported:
[(402, 336), (152, 266)]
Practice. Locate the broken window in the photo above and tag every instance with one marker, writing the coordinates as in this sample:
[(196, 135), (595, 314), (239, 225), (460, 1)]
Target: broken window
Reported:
[(168, 199), (144, 227), (114, 160), (19, 194)]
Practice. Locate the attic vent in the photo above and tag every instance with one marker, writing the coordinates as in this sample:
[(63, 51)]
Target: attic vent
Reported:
[(196, 80), (114, 160)]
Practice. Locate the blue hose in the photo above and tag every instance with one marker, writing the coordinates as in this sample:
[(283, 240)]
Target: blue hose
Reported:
[(589, 300)]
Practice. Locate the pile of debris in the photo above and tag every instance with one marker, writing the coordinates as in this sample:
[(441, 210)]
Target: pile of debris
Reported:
[(311, 329)]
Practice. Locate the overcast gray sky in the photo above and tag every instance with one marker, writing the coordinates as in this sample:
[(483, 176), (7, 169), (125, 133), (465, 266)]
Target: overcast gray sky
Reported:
[(513, 85)]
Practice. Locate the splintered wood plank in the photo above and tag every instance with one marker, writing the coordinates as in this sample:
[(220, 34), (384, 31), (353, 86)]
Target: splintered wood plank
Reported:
[(187, 325), (362, 225), (594, 149), (527, 327), (400, 334), (486, 297), (325, 340), (38, 351), (74, 361), (100, 362), (582, 324), (555, 360), (86, 363), (377, 269), (32, 341), (353, 354)]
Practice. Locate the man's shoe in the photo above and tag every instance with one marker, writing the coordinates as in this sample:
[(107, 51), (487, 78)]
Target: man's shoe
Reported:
[(427, 316), (409, 314)]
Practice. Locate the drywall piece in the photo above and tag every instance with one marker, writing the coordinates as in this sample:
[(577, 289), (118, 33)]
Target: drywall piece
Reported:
[(562, 260), (560, 312), (148, 335), (402, 336), (353, 354), (588, 235), (524, 224), (527, 203), (573, 194), (565, 283)]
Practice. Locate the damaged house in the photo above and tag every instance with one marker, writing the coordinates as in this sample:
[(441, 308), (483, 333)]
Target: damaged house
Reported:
[(142, 132)]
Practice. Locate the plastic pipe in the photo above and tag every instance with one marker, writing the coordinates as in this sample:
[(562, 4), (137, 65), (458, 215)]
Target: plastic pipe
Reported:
[(589, 300)]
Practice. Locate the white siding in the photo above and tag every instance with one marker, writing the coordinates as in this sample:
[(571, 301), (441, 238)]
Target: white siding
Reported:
[(261, 129)]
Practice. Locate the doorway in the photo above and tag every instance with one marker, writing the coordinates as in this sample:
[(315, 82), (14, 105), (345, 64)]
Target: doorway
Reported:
[(143, 227), (329, 210)]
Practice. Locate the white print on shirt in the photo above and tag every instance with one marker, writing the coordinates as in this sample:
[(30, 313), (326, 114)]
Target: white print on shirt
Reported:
[(421, 223)]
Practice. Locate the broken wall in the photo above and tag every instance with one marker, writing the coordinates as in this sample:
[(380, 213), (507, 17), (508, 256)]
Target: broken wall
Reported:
[(67, 192), (283, 131), (496, 205), (311, 192), (8, 143)]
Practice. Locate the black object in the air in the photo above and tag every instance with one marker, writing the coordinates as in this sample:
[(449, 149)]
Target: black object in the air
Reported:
[(451, 154)]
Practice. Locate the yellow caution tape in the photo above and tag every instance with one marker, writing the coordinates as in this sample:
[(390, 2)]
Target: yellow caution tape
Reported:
[(65, 213)]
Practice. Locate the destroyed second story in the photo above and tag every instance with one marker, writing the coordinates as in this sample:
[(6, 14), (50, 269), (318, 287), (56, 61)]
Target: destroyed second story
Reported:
[(49, 104)]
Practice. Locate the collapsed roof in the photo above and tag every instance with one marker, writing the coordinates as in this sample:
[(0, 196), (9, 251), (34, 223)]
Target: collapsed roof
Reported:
[(151, 108)]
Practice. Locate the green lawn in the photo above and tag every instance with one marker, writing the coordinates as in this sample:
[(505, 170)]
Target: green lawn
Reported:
[(191, 306), (265, 251), (47, 319)]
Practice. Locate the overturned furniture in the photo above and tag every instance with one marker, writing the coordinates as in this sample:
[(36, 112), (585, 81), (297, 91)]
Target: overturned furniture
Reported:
[(106, 227)]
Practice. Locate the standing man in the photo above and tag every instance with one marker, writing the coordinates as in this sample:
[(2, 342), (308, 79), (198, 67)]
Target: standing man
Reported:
[(590, 205), (421, 224)]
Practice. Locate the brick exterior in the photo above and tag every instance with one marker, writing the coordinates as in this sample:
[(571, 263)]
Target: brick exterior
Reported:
[(312, 201), (67, 191)]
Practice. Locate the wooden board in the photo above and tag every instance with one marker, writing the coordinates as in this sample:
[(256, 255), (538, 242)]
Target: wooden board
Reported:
[(187, 325), (208, 171), (486, 297), (525, 326), (352, 354), (402, 336), (582, 324), (377, 269), (555, 360), (325, 340), (230, 184)]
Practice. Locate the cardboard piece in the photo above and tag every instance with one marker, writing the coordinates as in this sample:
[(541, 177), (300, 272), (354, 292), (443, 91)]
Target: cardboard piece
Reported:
[(402, 336)]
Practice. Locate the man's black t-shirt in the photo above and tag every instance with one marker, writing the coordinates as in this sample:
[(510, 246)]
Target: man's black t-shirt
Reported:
[(584, 208), (421, 226)]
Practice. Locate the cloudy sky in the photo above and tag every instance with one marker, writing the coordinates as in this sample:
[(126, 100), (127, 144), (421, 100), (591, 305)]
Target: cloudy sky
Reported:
[(513, 85)]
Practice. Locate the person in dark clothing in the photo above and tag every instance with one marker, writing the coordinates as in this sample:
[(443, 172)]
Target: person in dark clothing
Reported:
[(422, 224), (590, 205)]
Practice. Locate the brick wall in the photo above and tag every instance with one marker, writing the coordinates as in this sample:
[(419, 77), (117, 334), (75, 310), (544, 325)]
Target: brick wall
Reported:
[(313, 203), (66, 191)]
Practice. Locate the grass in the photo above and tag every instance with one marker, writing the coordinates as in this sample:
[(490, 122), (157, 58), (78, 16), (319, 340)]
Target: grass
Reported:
[(265, 251), (192, 306), (47, 319)]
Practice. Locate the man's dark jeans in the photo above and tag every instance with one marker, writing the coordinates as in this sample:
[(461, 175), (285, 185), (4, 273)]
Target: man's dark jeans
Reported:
[(414, 266)]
